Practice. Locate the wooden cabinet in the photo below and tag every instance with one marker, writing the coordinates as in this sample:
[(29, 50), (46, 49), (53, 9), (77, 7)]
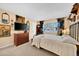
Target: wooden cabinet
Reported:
[(21, 38)]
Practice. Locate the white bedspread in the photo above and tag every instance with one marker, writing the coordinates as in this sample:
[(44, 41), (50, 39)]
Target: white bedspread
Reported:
[(55, 44)]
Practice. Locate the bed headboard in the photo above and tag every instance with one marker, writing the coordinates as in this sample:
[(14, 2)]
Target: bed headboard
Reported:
[(74, 30)]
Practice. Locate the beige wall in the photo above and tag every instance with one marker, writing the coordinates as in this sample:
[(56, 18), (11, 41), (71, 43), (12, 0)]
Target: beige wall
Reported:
[(5, 41), (67, 23), (32, 29), (50, 20)]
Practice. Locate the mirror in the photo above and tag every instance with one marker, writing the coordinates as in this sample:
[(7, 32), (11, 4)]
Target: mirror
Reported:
[(5, 18), (28, 25)]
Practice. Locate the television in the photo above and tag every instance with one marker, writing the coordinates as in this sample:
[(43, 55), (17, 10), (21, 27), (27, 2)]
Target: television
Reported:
[(20, 26)]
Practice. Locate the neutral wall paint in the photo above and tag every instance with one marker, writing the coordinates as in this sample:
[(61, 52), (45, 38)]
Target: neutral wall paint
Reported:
[(32, 32), (6, 41)]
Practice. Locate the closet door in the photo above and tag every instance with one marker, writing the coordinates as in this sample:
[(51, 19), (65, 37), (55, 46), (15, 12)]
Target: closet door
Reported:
[(72, 31), (78, 32), (75, 30)]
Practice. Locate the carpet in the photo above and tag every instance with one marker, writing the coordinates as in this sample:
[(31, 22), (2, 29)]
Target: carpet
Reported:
[(24, 50)]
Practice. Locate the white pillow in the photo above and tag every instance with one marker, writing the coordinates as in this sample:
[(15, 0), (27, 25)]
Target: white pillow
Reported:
[(68, 39)]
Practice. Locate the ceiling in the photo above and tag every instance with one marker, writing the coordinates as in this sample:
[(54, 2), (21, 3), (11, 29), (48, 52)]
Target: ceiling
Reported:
[(39, 11)]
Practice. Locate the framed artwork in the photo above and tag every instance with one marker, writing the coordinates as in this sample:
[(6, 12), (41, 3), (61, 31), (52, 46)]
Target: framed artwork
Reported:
[(5, 18), (5, 30), (20, 19), (50, 27)]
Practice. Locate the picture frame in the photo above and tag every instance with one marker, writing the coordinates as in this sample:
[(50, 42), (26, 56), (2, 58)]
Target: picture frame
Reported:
[(5, 18), (20, 19), (5, 30)]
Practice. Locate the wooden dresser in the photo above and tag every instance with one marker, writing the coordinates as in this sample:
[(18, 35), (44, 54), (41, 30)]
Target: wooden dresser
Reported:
[(21, 38)]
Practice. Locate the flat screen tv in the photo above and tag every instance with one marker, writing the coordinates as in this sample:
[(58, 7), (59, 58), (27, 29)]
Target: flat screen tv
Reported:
[(20, 26)]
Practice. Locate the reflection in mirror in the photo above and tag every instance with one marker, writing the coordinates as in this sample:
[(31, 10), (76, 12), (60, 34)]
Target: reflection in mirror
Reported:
[(28, 25), (5, 18)]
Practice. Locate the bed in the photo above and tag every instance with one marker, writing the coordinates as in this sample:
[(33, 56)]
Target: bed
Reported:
[(60, 45)]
